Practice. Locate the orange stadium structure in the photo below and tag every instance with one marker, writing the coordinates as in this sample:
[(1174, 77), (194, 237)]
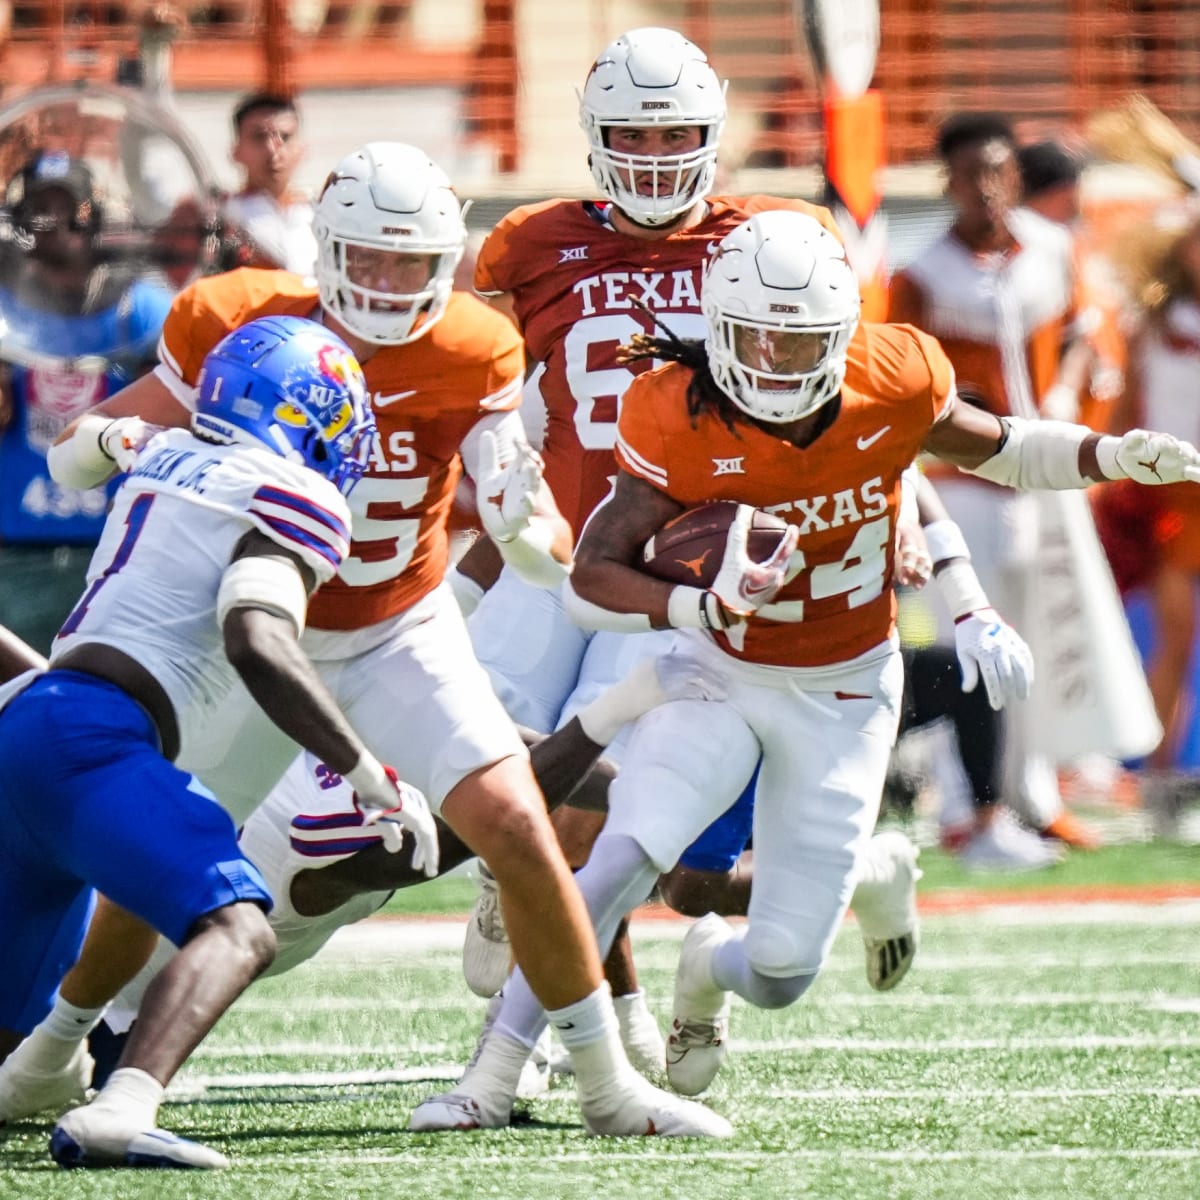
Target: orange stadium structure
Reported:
[(1046, 63)]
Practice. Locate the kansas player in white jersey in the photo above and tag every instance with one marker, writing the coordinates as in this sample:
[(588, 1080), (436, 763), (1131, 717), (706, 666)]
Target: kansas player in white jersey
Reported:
[(201, 579)]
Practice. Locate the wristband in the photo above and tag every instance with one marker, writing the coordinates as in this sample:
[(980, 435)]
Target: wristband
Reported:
[(685, 608), (368, 778), (945, 541), (81, 462), (961, 589), (696, 608), (713, 613), (1106, 458)]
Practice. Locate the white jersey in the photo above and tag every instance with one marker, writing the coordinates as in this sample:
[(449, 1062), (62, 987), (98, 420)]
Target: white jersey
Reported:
[(282, 233), (174, 525), (309, 821), (1170, 370)]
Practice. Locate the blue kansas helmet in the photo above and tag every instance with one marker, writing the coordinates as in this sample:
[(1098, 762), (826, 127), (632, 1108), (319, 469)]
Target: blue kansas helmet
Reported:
[(292, 386)]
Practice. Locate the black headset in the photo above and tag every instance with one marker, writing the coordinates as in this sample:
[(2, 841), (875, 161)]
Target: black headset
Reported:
[(88, 215)]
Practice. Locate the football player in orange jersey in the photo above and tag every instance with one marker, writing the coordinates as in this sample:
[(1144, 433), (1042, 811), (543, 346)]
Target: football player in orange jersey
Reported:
[(581, 278), (789, 405), (444, 372)]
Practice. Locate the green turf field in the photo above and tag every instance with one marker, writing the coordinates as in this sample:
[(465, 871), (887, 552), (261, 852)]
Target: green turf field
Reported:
[(1043, 1051)]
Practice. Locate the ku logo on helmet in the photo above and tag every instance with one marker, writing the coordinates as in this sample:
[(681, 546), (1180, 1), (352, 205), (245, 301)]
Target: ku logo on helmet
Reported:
[(341, 370)]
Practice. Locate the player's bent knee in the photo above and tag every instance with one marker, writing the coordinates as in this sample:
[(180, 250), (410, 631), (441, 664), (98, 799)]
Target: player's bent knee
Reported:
[(774, 991), (245, 927), (775, 952)]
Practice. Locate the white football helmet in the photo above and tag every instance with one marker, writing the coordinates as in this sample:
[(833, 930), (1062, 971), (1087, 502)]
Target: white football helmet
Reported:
[(781, 304), (387, 197), (652, 77)]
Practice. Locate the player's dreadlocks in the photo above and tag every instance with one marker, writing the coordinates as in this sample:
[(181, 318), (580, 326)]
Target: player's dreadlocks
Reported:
[(703, 392)]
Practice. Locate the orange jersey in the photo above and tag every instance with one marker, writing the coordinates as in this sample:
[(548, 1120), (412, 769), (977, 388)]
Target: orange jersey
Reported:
[(842, 492), (1000, 318), (426, 395), (573, 281)]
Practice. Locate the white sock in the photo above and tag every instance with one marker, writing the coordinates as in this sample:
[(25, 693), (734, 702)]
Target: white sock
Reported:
[(632, 1010), (500, 1060), (50, 1046), (69, 1022), (586, 1020), (589, 1031), (132, 1094)]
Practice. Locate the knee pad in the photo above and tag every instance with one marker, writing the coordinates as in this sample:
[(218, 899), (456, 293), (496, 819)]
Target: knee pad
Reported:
[(775, 952)]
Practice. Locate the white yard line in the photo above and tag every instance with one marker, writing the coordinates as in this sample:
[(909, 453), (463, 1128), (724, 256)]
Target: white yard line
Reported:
[(195, 1086), (901, 999), (856, 1045), (608, 1156), (378, 938)]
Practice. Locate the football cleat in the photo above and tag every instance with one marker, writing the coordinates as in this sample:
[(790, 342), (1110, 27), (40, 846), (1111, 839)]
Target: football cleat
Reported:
[(1005, 845), (458, 1110), (640, 1035), (642, 1110), (885, 903), (25, 1091), (888, 960), (1071, 831), (486, 958), (699, 1037), (480, 1100), (91, 1137)]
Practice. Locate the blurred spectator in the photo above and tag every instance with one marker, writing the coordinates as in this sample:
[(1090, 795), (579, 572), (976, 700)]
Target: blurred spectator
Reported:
[(1052, 186), (998, 290), (78, 327), (1050, 181), (1163, 390), (276, 219)]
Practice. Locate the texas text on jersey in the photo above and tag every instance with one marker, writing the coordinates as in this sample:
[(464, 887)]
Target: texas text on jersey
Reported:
[(842, 491), (426, 394), (576, 286)]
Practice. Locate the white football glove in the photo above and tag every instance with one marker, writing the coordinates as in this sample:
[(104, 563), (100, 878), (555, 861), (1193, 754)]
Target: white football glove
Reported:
[(742, 585), (987, 646), (396, 806), (124, 438), (1152, 458), (505, 493)]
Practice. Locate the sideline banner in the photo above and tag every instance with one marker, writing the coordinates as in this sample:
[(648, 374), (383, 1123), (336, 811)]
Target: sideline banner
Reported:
[(843, 42), (1090, 693)]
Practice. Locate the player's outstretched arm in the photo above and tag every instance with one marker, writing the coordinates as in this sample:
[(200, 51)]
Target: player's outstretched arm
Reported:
[(1055, 455), (261, 606), (106, 438)]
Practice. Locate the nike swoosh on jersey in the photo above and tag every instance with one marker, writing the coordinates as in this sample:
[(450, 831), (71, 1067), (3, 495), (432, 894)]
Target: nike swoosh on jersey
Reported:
[(382, 400), (865, 443)]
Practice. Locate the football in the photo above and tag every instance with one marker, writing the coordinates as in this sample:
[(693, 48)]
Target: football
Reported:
[(688, 549)]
